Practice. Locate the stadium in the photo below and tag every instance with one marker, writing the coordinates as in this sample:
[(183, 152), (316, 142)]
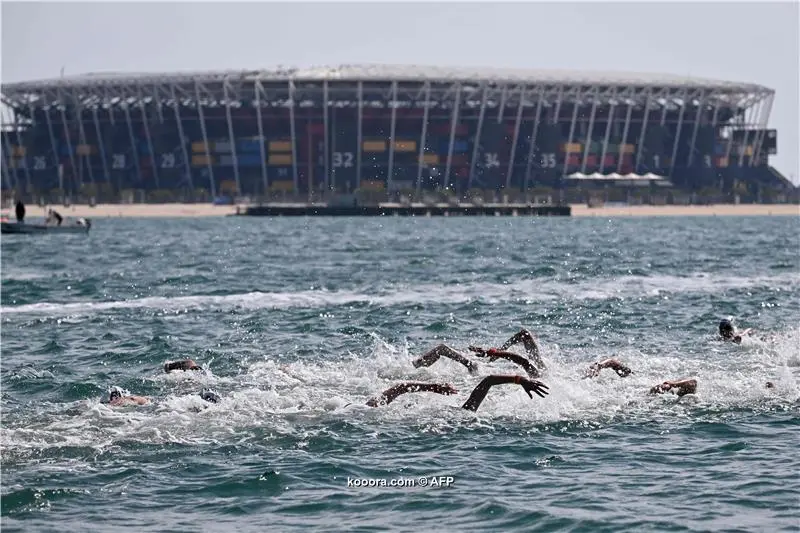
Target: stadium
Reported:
[(381, 129)]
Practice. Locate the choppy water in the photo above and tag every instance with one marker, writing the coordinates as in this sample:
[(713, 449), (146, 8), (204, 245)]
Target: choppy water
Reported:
[(299, 322)]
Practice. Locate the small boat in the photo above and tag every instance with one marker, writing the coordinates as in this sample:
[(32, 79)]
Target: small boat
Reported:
[(16, 228)]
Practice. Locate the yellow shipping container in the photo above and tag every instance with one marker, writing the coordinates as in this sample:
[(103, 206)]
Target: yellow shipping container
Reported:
[(372, 185), (627, 148), (280, 159), (19, 151), (283, 185), (572, 148), (405, 146), (200, 160), (748, 150), (374, 146), (280, 146), (430, 159)]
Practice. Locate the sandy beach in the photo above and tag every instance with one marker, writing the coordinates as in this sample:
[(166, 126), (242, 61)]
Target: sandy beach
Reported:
[(578, 210)]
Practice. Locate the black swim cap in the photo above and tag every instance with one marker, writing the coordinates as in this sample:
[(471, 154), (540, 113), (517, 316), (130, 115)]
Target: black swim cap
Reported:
[(726, 328), (210, 396)]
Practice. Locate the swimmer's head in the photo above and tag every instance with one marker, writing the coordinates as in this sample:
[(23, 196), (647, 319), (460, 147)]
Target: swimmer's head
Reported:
[(114, 394), (186, 364), (210, 396), (726, 330)]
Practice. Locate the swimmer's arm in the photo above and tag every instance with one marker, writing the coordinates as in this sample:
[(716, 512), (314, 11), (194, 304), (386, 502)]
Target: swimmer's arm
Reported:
[(530, 344), (479, 393), (682, 387), (616, 366), (393, 392), (443, 350), (493, 355)]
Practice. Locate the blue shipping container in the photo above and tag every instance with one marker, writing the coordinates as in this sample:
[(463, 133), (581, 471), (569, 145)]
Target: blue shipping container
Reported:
[(249, 146)]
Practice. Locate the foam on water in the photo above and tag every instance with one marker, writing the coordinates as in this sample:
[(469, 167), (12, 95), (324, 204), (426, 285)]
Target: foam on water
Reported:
[(273, 398), (528, 290)]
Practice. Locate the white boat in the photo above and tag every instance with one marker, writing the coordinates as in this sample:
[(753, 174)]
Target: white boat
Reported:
[(16, 228)]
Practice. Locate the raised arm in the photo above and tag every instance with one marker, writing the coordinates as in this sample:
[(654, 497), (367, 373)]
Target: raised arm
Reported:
[(393, 392), (616, 366), (681, 387), (479, 393), (443, 350), (529, 342), (494, 354)]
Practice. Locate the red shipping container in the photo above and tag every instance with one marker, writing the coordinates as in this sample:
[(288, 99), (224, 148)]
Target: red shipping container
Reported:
[(574, 160), (609, 161)]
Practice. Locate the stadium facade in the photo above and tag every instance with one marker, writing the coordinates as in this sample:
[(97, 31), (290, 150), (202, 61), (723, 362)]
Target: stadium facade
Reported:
[(380, 128)]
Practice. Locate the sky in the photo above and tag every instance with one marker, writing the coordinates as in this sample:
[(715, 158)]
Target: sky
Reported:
[(754, 42)]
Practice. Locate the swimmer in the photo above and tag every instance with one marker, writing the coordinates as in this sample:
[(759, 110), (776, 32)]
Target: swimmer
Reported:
[(185, 364), (116, 398), (621, 370), (524, 336), (210, 396), (728, 332), (475, 399), (681, 387)]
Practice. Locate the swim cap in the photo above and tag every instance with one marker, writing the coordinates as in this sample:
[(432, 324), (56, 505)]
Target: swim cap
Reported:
[(725, 327), (210, 396)]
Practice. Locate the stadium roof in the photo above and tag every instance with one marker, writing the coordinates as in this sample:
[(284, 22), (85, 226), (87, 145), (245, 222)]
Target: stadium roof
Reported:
[(380, 72)]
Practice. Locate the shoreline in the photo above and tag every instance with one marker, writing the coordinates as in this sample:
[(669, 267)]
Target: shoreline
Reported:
[(578, 210)]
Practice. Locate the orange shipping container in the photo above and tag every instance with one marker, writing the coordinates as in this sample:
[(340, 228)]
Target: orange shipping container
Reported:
[(280, 159), (405, 146), (374, 146), (280, 146), (282, 185)]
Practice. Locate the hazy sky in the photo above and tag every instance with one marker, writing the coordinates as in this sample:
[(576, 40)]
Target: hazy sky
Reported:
[(750, 42)]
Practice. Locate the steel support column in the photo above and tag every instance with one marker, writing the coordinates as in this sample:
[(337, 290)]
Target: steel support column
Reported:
[(327, 152), (232, 137), (53, 143), (624, 142), (150, 146), (209, 166), (454, 123), (532, 147), (764, 125), (588, 143), (183, 140), (477, 138), (677, 136), (568, 151), (20, 142), (101, 144), (517, 124), (293, 133), (700, 107), (259, 89), (392, 138), (82, 136), (10, 152), (640, 147), (423, 135), (359, 135), (63, 107)]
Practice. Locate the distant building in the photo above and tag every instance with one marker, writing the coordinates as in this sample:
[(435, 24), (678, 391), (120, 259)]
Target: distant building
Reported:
[(380, 128)]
